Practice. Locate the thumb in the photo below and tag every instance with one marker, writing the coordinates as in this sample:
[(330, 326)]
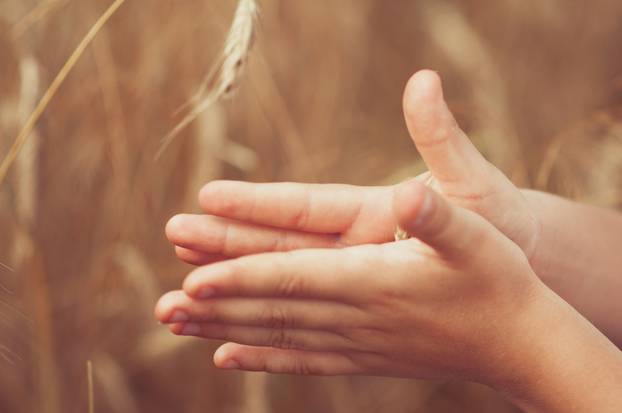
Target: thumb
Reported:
[(446, 150), (425, 215)]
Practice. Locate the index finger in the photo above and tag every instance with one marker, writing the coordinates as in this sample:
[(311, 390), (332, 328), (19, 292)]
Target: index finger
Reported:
[(335, 275), (326, 208)]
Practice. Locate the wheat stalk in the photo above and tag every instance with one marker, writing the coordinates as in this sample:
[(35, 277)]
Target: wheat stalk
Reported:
[(37, 13), (223, 78), (54, 86)]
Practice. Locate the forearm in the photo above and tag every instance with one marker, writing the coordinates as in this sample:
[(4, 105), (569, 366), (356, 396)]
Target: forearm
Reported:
[(579, 256), (564, 364)]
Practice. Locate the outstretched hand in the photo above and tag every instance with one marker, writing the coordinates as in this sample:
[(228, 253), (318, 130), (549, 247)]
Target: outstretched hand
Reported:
[(245, 218), (441, 305), (287, 282)]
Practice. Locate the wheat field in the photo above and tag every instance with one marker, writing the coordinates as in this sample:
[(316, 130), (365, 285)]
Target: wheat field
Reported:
[(537, 85)]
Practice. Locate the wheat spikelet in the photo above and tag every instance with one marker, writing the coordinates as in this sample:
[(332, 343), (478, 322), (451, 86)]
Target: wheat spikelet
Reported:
[(222, 79)]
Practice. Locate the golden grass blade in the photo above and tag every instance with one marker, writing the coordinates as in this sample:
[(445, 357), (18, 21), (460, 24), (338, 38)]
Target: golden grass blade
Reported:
[(223, 77), (54, 86), (37, 13)]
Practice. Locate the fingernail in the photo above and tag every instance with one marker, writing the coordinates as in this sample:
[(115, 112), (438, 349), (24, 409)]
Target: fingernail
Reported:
[(230, 364), (178, 317), (206, 292), (191, 329), (424, 211)]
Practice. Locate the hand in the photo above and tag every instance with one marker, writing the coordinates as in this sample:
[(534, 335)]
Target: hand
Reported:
[(459, 301), (244, 218), (454, 302)]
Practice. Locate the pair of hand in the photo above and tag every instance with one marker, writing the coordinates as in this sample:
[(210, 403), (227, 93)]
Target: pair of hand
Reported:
[(306, 279)]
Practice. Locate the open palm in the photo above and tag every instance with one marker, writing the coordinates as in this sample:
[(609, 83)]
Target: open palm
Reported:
[(244, 218)]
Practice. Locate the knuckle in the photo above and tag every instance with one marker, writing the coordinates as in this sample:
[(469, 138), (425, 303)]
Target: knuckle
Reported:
[(216, 331), (351, 338), (235, 273), (226, 246), (297, 365), (280, 242), (280, 339), (302, 368), (275, 318), (210, 313), (301, 217), (291, 286), (387, 293)]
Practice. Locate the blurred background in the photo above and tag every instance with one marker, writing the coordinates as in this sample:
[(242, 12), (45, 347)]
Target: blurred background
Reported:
[(537, 85)]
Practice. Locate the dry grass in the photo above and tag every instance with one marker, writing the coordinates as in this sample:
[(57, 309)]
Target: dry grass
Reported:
[(536, 84), (223, 79), (49, 94)]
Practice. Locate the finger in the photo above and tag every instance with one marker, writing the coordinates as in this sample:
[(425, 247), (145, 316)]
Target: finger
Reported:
[(291, 339), (462, 173), (336, 275), (271, 360), (446, 150), (176, 306), (230, 238), (198, 257), (425, 215), (302, 207)]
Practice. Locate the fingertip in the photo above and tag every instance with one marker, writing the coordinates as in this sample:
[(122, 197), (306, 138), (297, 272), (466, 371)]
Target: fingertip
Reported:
[(165, 306), (220, 355), (223, 357), (411, 204), (176, 227), (212, 194), (194, 285), (185, 254), (176, 328), (197, 258), (423, 88), (427, 216), (191, 285), (205, 193)]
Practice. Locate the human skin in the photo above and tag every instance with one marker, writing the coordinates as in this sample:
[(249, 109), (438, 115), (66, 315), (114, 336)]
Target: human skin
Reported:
[(458, 301), (244, 218)]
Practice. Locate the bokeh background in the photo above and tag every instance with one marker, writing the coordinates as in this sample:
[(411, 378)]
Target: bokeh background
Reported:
[(537, 85)]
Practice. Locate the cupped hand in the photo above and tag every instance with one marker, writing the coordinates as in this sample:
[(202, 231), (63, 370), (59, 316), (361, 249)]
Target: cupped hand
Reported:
[(450, 303), (245, 218)]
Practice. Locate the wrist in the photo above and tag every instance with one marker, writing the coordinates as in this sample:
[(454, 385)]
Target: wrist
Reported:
[(555, 358), (540, 250)]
